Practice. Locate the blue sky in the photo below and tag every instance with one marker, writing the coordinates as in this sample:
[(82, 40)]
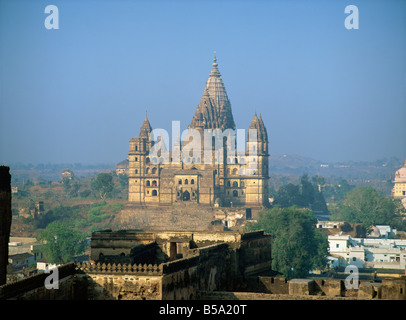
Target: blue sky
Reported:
[(79, 93)]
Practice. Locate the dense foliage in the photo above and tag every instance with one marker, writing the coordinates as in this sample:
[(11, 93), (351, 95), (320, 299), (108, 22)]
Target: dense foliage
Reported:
[(369, 207), (61, 243), (297, 246), (304, 195)]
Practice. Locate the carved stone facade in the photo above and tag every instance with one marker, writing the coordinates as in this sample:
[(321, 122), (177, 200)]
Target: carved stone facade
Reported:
[(208, 167)]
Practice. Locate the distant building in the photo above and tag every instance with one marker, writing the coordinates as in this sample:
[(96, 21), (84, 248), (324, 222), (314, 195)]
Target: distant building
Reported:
[(67, 173), (122, 167), (399, 187), (38, 210)]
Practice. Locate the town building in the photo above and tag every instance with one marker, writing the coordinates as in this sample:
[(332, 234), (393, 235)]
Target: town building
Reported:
[(399, 187), (378, 253), (122, 167)]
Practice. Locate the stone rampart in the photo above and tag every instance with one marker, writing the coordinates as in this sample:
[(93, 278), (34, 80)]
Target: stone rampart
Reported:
[(33, 287)]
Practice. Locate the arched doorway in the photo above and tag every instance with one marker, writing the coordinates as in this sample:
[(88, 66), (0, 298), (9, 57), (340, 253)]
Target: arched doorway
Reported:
[(186, 196)]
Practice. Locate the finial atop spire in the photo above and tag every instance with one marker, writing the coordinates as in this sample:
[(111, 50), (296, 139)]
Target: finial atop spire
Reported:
[(215, 72)]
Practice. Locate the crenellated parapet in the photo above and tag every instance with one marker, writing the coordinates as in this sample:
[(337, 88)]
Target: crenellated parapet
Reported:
[(137, 269)]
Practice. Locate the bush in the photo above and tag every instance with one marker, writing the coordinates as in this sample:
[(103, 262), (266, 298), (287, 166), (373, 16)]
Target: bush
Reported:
[(85, 193), (99, 204), (117, 207), (97, 215)]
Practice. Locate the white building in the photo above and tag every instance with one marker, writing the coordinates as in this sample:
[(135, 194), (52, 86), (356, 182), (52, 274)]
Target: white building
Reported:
[(340, 247), (381, 231), (367, 253)]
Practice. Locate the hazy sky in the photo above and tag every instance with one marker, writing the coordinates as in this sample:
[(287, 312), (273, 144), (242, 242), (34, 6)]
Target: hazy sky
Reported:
[(79, 93)]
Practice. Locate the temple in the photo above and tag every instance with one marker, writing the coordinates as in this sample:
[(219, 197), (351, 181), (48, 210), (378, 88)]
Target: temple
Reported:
[(206, 167)]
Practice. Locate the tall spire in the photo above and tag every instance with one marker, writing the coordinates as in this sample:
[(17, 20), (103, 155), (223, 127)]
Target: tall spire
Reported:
[(214, 107)]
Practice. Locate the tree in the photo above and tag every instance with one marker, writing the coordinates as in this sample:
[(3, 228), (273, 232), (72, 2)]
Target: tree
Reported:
[(304, 195), (66, 184), (307, 192), (367, 206), (288, 195), (61, 243), (103, 184), (297, 246), (123, 180)]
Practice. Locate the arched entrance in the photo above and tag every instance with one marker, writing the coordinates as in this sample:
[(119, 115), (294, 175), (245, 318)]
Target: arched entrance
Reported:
[(186, 196)]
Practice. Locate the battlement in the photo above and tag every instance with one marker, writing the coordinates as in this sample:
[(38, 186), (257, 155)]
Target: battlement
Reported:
[(136, 269)]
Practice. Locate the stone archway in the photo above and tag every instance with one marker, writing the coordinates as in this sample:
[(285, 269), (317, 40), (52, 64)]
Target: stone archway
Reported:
[(185, 196)]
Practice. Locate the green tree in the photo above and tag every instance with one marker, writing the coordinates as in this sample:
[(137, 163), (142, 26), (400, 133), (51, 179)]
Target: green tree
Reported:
[(123, 180), (74, 191), (61, 243), (367, 206), (66, 182), (307, 192), (304, 195), (297, 246), (287, 195), (102, 185)]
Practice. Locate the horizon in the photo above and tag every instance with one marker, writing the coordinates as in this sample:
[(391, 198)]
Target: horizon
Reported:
[(66, 165), (79, 93)]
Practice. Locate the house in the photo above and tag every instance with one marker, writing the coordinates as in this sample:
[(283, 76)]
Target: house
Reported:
[(21, 245), (382, 231), (367, 252), (341, 248), (21, 260)]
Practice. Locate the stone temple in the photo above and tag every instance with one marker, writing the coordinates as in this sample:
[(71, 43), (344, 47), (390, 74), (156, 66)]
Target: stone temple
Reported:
[(208, 167)]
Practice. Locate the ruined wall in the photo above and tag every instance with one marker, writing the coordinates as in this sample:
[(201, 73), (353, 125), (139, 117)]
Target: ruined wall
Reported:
[(394, 289), (209, 270), (121, 282), (388, 289), (5, 220), (33, 288), (275, 285)]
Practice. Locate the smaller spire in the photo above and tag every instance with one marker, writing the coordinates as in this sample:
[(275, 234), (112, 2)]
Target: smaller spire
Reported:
[(145, 127), (254, 122)]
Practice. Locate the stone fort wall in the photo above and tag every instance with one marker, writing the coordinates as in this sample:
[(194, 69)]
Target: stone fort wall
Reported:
[(186, 280)]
